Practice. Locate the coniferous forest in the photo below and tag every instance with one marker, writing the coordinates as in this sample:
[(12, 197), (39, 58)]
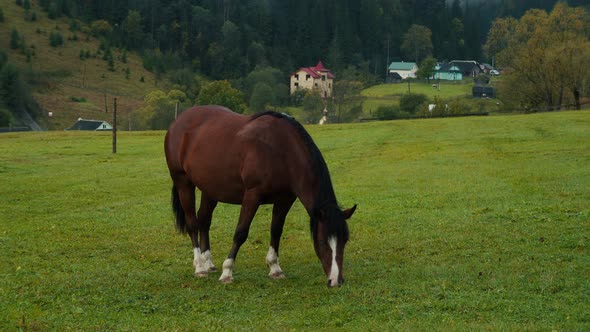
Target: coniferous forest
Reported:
[(226, 39), (254, 45)]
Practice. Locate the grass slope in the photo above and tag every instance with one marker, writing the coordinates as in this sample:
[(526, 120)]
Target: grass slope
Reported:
[(64, 76), (463, 224)]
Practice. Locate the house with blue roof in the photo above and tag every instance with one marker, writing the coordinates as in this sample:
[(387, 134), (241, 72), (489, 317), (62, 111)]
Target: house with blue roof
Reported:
[(447, 71)]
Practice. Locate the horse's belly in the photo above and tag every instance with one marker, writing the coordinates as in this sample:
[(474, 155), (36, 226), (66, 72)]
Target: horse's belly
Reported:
[(222, 192)]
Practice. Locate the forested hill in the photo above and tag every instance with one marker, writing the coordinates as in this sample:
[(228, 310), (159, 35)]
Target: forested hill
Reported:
[(64, 59), (226, 39)]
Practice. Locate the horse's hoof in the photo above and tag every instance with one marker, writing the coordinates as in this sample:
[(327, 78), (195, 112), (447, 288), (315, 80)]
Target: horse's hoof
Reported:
[(226, 280), (277, 275), (202, 274), (212, 269)]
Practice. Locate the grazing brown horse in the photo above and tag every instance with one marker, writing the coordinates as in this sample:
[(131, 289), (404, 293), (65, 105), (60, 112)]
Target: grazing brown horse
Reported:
[(267, 158)]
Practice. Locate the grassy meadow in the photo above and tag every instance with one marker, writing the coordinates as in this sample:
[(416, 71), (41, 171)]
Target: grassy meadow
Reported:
[(390, 94), (463, 224)]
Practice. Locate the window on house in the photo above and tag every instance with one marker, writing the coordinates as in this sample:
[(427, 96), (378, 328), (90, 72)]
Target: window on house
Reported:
[(307, 77), (297, 77), (316, 85), (323, 77), (296, 85)]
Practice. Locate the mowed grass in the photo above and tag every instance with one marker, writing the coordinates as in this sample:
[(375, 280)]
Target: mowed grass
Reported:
[(387, 95), (445, 89), (463, 224)]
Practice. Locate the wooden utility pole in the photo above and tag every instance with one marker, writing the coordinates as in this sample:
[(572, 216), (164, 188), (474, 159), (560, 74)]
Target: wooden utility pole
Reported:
[(115, 125)]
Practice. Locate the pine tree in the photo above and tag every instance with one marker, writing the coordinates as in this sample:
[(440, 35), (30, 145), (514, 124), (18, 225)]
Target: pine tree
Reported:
[(14, 39)]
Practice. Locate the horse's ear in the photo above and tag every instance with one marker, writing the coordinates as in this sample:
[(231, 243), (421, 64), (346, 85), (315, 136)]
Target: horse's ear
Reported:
[(348, 213)]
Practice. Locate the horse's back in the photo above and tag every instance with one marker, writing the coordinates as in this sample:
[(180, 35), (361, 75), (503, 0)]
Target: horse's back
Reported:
[(193, 118), (201, 148), (223, 153)]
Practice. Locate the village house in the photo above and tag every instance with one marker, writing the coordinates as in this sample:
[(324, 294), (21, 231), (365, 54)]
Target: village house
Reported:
[(469, 68), (403, 69), (92, 125), (310, 78), (447, 71)]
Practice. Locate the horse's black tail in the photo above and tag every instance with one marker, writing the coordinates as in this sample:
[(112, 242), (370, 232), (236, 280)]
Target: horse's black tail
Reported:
[(178, 211)]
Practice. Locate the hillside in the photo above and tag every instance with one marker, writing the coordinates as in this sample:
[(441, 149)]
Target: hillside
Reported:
[(65, 85)]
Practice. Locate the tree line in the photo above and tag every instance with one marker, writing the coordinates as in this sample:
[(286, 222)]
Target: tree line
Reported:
[(548, 54), (227, 39)]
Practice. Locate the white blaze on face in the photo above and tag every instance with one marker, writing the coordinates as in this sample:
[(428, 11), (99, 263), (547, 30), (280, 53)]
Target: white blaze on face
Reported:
[(333, 242)]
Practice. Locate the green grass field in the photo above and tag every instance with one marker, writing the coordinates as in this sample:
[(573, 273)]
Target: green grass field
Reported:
[(445, 89), (463, 224), (390, 94)]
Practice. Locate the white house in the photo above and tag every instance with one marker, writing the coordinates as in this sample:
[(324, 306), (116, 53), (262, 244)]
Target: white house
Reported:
[(403, 69)]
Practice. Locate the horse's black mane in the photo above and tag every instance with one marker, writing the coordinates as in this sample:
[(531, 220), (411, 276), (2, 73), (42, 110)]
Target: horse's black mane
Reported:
[(325, 199)]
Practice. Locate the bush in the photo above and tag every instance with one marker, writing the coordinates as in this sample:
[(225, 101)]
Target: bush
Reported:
[(78, 99), (6, 118), (30, 16), (100, 28), (262, 96), (410, 103), (458, 107), (55, 39), (391, 112), (74, 25), (14, 39)]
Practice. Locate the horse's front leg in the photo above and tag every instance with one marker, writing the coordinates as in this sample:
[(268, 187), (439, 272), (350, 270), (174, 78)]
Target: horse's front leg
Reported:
[(279, 213), (250, 205)]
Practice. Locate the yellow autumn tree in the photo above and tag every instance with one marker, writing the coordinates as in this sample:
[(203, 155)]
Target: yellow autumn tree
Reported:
[(547, 54), (158, 110)]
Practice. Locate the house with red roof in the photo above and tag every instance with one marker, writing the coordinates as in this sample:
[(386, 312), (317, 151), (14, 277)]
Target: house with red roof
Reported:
[(310, 78)]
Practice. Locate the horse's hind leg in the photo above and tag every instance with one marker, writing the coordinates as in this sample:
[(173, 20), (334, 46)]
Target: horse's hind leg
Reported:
[(203, 262), (186, 194), (279, 213)]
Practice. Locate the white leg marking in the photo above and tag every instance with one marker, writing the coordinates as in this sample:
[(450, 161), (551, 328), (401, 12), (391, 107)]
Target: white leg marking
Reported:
[(272, 261), (199, 263), (228, 266), (207, 261), (334, 272)]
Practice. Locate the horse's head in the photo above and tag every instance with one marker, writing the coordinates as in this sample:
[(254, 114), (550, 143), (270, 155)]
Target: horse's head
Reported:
[(330, 234)]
